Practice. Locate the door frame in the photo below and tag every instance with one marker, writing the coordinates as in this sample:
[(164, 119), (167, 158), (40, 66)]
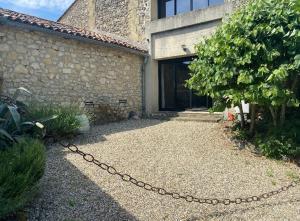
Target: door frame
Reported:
[(174, 62), (191, 95)]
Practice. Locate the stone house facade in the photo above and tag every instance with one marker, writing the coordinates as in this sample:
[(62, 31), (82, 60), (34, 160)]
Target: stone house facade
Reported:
[(64, 65), (169, 29), (125, 18)]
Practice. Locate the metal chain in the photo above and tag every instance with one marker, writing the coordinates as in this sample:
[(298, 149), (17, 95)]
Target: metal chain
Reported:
[(161, 191)]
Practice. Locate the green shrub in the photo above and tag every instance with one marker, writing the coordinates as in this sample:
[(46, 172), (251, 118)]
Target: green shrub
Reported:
[(66, 123), (275, 142), (277, 147), (239, 133), (13, 123), (254, 56), (21, 167)]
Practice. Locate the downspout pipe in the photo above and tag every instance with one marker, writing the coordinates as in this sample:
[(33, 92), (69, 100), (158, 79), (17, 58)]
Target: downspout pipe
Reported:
[(146, 58)]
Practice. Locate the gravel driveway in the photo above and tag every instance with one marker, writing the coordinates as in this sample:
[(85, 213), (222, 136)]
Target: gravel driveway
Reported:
[(190, 157)]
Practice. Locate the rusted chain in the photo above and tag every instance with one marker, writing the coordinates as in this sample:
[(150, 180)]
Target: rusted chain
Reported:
[(161, 191)]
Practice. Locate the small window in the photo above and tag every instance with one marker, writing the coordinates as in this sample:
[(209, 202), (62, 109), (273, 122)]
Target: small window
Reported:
[(183, 6), (199, 4), (166, 8), (215, 2), (170, 8)]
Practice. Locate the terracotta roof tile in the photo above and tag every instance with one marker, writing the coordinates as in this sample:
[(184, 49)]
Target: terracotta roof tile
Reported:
[(63, 28)]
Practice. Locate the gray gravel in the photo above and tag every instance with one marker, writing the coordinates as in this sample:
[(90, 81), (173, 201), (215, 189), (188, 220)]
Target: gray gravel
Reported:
[(190, 157)]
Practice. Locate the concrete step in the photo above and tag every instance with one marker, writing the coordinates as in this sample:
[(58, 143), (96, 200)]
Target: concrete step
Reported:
[(196, 119), (201, 116)]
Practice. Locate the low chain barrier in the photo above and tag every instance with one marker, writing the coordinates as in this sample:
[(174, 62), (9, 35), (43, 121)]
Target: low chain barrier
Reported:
[(161, 191)]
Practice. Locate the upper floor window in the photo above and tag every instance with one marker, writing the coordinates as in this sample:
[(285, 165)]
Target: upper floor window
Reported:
[(183, 6), (167, 8)]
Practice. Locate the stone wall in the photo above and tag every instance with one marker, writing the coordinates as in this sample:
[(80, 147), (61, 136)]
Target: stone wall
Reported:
[(125, 18), (77, 15), (112, 16), (144, 17), (69, 71)]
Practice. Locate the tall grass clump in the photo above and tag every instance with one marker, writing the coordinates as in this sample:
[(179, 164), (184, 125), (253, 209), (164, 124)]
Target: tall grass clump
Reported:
[(67, 122), (21, 167)]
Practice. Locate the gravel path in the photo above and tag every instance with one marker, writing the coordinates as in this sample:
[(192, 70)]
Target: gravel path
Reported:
[(190, 157)]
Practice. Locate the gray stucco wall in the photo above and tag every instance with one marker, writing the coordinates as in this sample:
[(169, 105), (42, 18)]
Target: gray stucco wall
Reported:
[(176, 36), (69, 71)]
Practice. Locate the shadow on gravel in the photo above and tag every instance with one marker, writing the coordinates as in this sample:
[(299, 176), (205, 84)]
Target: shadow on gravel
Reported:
[(226, 213), (98, 132), (66, 194)]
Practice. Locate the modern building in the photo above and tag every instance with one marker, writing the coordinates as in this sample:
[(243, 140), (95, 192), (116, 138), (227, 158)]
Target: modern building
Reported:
[(169, 28)]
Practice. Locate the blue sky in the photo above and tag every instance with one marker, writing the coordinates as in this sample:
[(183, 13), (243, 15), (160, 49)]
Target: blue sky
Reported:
[(48, 9)]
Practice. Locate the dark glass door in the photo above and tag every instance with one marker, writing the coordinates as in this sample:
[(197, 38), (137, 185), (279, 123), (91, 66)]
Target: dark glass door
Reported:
[(173, 93), (183, 94), (168, 85)]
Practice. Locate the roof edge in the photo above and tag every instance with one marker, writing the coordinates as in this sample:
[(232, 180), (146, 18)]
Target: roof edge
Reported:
[(16, 24), (35, 23)]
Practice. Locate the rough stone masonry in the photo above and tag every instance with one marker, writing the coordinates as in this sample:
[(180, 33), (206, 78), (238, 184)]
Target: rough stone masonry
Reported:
[(69, 71), (125, 18)]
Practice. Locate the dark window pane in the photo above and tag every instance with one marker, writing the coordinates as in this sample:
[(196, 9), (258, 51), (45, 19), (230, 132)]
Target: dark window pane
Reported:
[(166, 8), (215, 2), (183, 6), (169, 8), (198, 4)]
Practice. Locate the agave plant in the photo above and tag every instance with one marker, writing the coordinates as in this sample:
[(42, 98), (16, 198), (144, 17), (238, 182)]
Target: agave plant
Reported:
[(12, 124)]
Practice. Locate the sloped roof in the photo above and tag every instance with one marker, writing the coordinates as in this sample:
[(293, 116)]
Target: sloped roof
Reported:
[(13, 16)]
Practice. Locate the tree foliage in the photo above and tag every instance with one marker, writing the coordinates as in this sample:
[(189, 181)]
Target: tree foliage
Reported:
[(253, 56)]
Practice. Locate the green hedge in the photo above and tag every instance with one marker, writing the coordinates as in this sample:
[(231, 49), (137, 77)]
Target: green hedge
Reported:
[(21, 167)]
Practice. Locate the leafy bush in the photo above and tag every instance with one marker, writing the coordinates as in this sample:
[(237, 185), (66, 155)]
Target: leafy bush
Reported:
[(67, 122), (21, 166), (239, 133), (277, 143), (277, 147), (254, 56)]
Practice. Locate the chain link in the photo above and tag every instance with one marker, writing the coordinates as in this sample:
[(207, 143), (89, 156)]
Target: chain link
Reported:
[(161, 191)]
